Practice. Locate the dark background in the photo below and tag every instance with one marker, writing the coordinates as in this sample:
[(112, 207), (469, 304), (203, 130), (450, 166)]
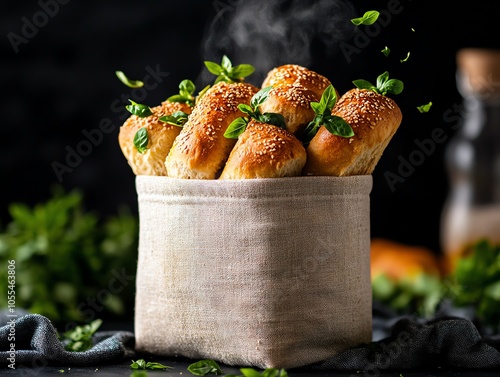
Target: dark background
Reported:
[(62, 82)]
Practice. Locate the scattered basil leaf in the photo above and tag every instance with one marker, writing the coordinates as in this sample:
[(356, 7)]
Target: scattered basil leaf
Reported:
[(179, 118), (368, 18), (227, 73), (138, 109), (201, 93), (269, 372), (79, 339), (323, 110), (141, 140), (142, 364), (61, 370), (386, 51), (384, 85), (130, 83), (406, 58), (424, 108), (273, 118), (412, 29), (236, 128), (205, 367), (244, 108)]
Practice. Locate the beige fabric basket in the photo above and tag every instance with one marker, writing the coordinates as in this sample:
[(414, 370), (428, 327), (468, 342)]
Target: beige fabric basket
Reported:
[(261, 273)]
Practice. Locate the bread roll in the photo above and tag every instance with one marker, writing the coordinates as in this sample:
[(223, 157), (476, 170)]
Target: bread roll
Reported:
[(294, 103), (265, 151), (161, 136), (374, 119), (200, 150), (297, 75)]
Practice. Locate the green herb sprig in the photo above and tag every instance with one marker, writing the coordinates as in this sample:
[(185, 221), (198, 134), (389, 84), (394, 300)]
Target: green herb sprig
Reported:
[(138, 109), (141, 140), (424, 108), (179, 118), (323, 110), (186, 93), (239, 125), (142, 364), (130, 83), (384, 85), (269, 372), (205, 367), (227, 73), (369, 18), (79, 339)]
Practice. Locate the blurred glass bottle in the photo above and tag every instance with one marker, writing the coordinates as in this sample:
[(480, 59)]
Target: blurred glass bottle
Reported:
[(472, 210)]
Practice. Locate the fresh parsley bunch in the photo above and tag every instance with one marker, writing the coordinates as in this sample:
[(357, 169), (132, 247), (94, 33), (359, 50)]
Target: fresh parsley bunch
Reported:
[(384, 85), (323, 110), (238, 126), (227, 73)]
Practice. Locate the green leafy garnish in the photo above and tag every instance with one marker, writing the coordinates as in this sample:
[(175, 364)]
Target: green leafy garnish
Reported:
[(269, 372), (323, 110), (79, 339), (179, 118), (227, 73), (386, 51), (424, 108), (61, 370), (384, 85), (368, 18), (130, 83), (205, 367), (406, 58), (142, 364), (141, 140), (138, 109), (477, 281), (186, 90), (239, 125)]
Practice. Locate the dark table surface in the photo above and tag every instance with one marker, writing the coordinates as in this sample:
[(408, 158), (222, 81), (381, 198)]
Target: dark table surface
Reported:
[(180, 369)]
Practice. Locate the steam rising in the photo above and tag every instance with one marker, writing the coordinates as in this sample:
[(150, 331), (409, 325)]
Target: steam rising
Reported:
[(270, 33)]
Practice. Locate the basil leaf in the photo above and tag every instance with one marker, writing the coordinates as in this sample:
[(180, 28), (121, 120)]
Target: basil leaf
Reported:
[(177, 98), (242, 70), (130, 83), (318, 107), (202, 93), (214, 68), (187, 86), (139, 373), (154, 365), (260, 97), (250, 372), (382, 79), (311, 130), (368, 18), (226, 63), (393, 86), (244, 108), (141, 111), (236, 128), (338, 126), (274, 119), (424, 108), (405, 59), (328, 99), (141, 140), (80, 338), (363, 84), (386, 51), (204, 367), (179, 118)]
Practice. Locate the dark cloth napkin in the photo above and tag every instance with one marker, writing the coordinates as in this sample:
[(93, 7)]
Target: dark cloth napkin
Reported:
[(412, 344)]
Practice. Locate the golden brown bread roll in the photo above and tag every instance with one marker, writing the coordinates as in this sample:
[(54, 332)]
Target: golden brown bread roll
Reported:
[(200, 150), (374, 119), (297, 75), (161, 136), (265, 151), (294, 103)]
